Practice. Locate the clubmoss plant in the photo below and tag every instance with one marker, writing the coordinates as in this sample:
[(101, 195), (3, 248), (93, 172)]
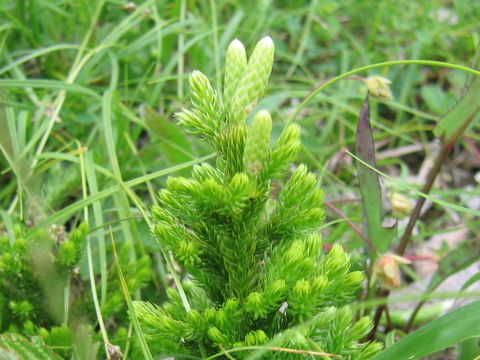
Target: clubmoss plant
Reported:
[(246, 232), (30, 269)]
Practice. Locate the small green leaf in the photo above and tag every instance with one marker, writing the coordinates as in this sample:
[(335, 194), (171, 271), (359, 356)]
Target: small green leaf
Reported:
[(472, 280), (136, 325), (369, 185), (459, 325)]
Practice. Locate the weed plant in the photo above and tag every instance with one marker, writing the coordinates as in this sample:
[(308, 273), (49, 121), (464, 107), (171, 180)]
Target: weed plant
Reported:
[(246, 232)]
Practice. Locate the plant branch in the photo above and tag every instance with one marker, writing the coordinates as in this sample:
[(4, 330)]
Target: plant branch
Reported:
[(352, 225), (421, 201)]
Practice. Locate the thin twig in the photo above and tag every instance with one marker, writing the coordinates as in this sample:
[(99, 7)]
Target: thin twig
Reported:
[(342, 201), (418, 206), (352, 225)]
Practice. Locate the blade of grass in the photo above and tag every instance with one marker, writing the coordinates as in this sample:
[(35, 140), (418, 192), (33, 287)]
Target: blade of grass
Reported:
[(408, 75), (437, 201), (165, 255), (73, 73), (155, 34), (48, 84), (304, 37), (70, 157), (68, 211), (19, 75), (110, 40), (376, 66), (169, 67), (436, 335), (161, 266), (138, 330), (100, 233), (37, 53), (37, 131), (16, 347), (473, 279), (216, 51), (19, 24), (174, 145), (129, 228), (181, 45), (91, 273), (231, 28), (7, 221), (10, 147), (134, 151)]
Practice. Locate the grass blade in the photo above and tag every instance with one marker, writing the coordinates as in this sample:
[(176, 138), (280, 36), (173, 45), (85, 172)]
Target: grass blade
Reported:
[(16, 347), (141, 338), (62, 215), (414, 190), (437, 335), (97, 214), (91, 273), (35, 54), (48, 84)]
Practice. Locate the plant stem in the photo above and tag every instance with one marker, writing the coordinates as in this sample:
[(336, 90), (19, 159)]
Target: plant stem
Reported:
[(412, 317), (352, 225), (348, 74), (420, 202), (446, 147)]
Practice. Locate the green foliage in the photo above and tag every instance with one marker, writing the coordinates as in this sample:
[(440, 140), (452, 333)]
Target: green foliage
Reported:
[(247, 234), (16, 347), (56, 62), (33, 275), (137, 273), (25, 279)]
